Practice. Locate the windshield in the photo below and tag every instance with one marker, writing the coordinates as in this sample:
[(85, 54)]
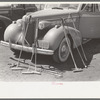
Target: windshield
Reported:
[(63, 6)]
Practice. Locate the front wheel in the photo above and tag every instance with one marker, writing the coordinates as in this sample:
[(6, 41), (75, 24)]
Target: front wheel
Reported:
[(62, 53)]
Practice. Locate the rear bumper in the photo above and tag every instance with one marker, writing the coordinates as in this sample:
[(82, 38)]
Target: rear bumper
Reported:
[(27, 49)]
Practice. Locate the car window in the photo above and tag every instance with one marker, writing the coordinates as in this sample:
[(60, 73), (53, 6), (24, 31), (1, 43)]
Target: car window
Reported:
[(99, 7), (73, 6), (64, 6), (17, 5), (29, 5), (40, 6), (89, 8), (47, 6), (96, 8), (83, 6)]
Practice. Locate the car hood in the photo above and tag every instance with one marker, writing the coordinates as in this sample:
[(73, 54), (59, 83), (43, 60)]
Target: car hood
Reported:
[(51, 13)]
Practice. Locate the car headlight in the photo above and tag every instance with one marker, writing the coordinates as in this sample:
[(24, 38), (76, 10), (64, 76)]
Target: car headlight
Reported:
[(18, 22), (41, 26)]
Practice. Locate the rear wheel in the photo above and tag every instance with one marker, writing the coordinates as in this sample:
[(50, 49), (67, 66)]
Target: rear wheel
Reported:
[(62, 53), (2, 28)]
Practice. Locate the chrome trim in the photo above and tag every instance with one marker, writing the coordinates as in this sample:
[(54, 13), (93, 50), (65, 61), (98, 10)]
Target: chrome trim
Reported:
[(27, 49)]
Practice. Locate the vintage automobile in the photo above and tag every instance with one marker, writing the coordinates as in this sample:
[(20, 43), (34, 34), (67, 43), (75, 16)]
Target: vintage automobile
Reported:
[(54, 30), (11, 12)]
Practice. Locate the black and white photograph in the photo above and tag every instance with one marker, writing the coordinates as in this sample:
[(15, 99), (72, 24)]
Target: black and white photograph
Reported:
[(50, 43)]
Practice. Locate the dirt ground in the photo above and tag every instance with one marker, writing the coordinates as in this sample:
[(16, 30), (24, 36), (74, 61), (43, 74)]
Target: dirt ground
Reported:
[(52, 71)]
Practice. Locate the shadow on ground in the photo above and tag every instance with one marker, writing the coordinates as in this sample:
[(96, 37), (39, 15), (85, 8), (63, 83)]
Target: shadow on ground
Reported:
[(91, 48)]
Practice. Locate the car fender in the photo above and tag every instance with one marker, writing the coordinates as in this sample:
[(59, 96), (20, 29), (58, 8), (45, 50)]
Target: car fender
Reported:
[(13, 33), (75, 35), (7, 21), (55, 35)]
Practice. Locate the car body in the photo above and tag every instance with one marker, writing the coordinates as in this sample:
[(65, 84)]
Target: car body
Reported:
[(11, 12), (49, 29)]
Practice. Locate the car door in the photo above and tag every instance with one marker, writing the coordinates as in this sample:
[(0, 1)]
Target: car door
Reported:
[(90, 21), (17, 11)]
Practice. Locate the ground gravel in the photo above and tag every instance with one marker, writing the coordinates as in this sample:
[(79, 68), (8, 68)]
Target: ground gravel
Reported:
[(53, 71)]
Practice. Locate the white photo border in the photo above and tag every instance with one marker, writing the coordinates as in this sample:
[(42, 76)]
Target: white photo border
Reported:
[(41, 90)]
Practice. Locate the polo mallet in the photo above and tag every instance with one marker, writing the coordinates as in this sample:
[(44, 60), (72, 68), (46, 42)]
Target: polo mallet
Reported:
[(17, 65), (77, 47), (13, 65), (30, 69), (83, 52), (79, 53), (80, 43), (64, 30), (34, 51)]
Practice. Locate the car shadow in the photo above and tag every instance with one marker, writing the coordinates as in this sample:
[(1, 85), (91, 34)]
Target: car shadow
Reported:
[(91, 48)]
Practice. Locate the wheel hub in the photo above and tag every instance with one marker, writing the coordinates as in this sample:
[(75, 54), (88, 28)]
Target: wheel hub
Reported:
[(64, 51)]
